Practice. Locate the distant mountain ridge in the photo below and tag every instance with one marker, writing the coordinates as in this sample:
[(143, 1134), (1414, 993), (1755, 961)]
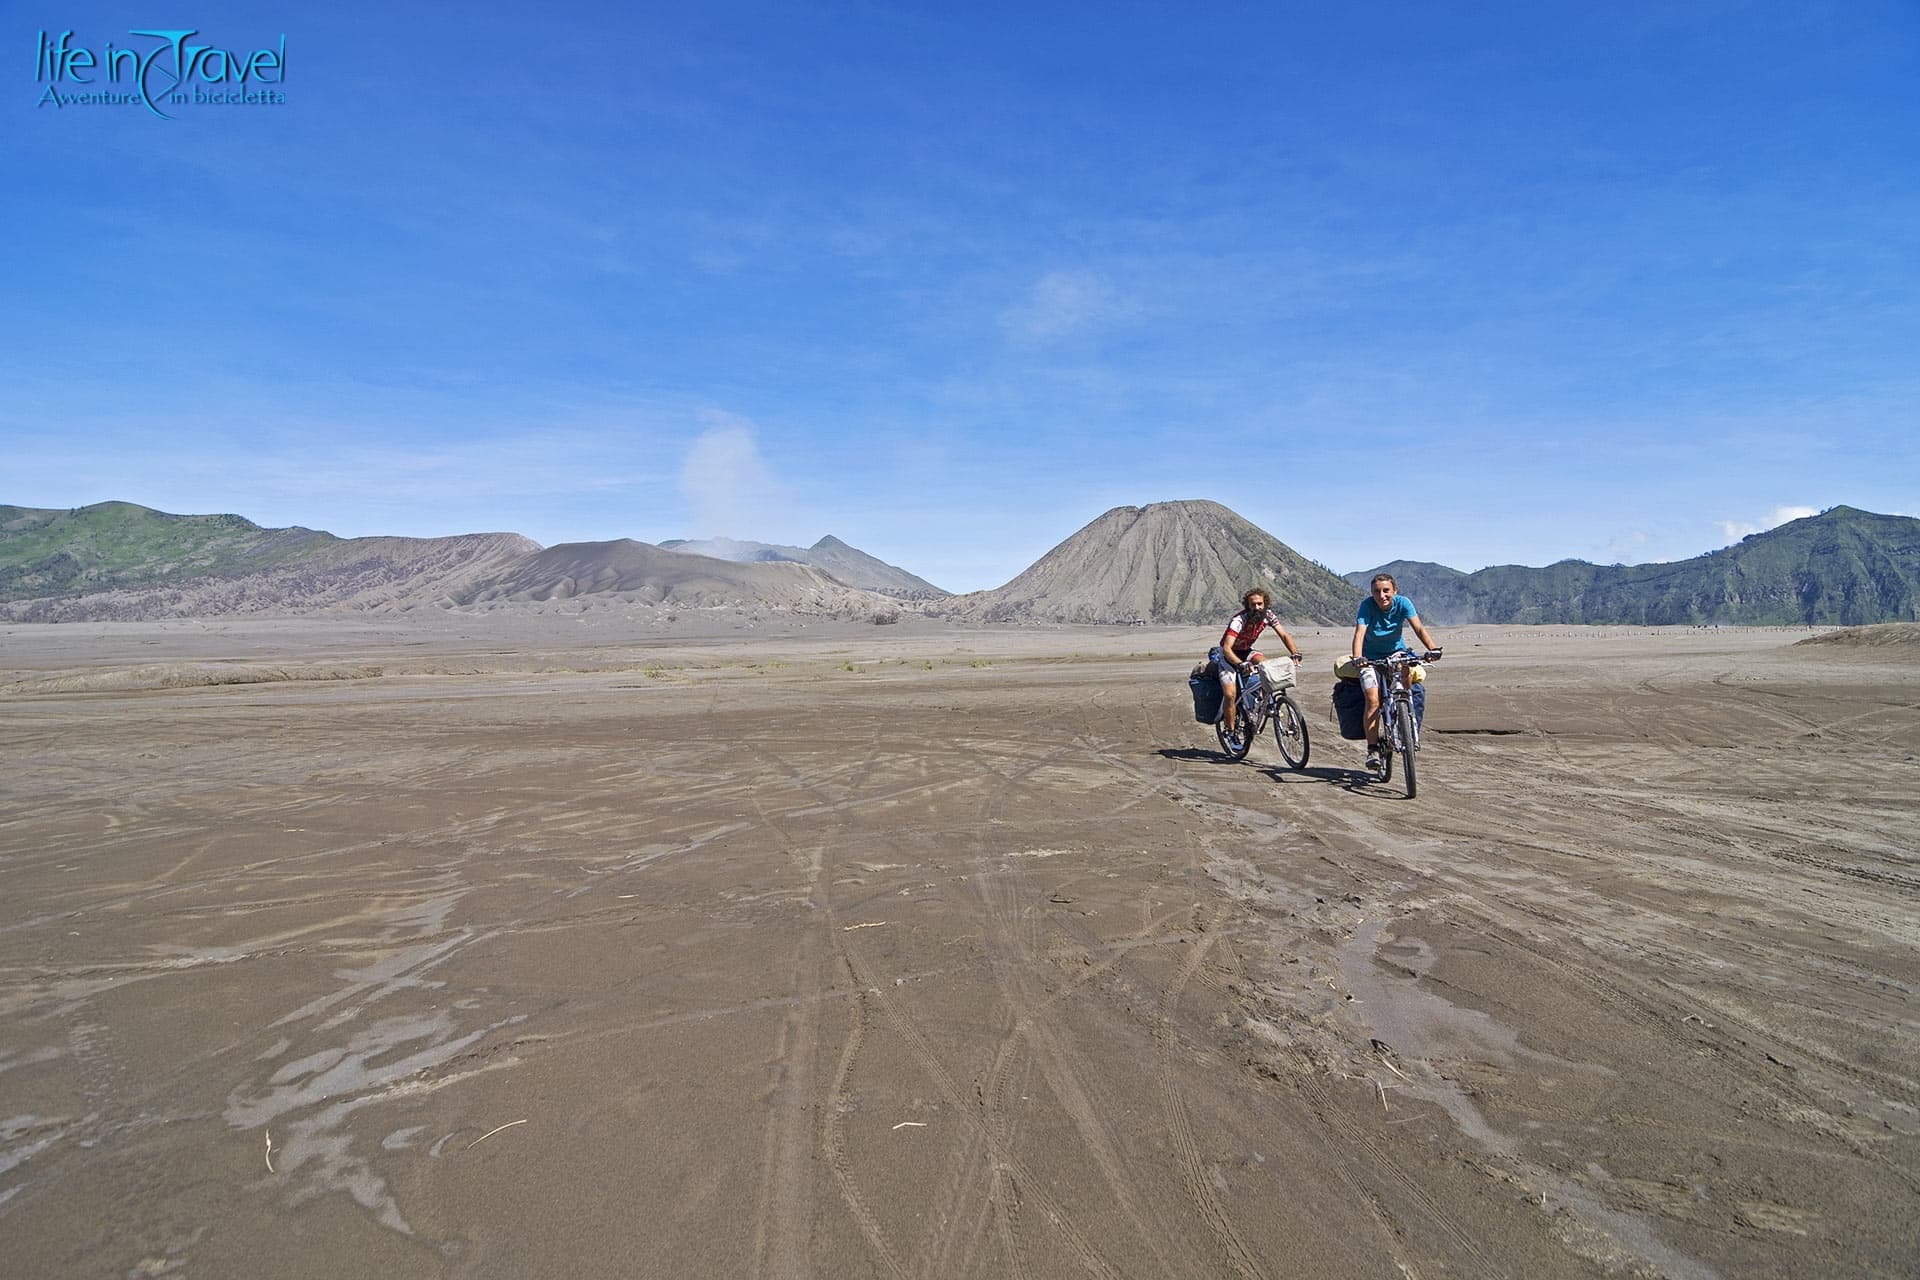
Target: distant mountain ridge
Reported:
[(1186, 561), (120, 561), (1168, 562), (1843, 567), (849, 564), (641, 573)]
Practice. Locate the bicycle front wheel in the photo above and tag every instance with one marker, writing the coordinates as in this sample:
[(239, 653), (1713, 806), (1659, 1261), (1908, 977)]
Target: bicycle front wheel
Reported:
[(1290, 731), (1405, 735)]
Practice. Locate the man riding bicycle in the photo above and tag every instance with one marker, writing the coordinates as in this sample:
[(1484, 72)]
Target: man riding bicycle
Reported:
[(1236, 647), (1377, 629)]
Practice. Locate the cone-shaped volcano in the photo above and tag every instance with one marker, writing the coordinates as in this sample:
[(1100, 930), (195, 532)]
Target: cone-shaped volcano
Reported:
[(1166, 562)]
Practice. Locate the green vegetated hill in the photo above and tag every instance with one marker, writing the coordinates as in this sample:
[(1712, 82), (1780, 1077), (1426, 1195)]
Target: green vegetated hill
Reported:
[(121, 544), (1843, 567)]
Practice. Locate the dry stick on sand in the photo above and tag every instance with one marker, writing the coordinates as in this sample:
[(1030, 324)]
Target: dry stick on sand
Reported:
[(269, 1151), (489, 1133)]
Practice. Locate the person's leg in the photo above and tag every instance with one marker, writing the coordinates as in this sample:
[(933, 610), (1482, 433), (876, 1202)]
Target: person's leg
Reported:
[(1230, 694), (1370, 685)]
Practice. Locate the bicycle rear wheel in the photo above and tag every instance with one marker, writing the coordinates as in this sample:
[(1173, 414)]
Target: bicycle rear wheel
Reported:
[(1290, 731), (1237, 743)]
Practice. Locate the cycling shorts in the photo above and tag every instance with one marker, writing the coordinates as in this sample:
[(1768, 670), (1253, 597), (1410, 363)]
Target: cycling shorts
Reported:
[(1370, 675), (1222, 668)]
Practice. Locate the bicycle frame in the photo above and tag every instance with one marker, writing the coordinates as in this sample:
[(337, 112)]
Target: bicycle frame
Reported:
[(1253, 707)]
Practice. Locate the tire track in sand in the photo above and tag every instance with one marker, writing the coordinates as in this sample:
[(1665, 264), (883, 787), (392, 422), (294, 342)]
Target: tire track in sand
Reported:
[(1059, 1066), (1192, 1163), (837, 1101), (783, 1208), (1009, 1184), (1320, 1104), (1012, 1183), (783, 1204), (833, 1136)]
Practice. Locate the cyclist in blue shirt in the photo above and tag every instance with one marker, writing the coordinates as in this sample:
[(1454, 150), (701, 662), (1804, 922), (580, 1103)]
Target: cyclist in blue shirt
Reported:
[(1376, 633)]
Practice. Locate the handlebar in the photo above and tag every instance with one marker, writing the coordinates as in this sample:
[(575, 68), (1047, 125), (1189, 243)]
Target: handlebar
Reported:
[(1400, 658), (1245, 666)]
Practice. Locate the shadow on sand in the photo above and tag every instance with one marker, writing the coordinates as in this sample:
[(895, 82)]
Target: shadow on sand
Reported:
[(1352, 779)]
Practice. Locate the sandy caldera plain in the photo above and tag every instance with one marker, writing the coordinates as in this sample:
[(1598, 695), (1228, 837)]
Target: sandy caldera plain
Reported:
[(577, 945)]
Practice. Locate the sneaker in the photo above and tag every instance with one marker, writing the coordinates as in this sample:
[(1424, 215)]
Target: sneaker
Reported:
[(1373, 759)]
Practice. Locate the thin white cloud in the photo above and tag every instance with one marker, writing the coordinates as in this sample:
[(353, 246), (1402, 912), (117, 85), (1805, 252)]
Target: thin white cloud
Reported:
[(729, 489), (1629, 547), (1734, 530), (1062, 303), (350, 480)]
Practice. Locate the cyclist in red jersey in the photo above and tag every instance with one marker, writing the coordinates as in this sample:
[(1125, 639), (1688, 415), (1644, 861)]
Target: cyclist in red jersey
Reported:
[(1236, 646)]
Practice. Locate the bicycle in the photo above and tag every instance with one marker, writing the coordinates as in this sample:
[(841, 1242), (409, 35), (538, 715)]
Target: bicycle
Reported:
[(1263, 699), (1399, 726)]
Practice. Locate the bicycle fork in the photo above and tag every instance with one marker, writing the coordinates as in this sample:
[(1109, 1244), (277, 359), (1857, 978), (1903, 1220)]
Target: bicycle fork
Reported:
[(1405, 726)]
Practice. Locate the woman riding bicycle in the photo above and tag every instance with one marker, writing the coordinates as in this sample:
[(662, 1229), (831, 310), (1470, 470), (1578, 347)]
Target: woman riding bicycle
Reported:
[(1376, 633), (1236, 647)]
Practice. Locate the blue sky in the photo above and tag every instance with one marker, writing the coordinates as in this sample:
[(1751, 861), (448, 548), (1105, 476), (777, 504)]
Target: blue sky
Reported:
[(1616, 282)]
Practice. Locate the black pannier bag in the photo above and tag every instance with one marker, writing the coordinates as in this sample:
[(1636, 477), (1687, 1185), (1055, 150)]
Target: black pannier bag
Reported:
[(1205, 687), (1350, 705)]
